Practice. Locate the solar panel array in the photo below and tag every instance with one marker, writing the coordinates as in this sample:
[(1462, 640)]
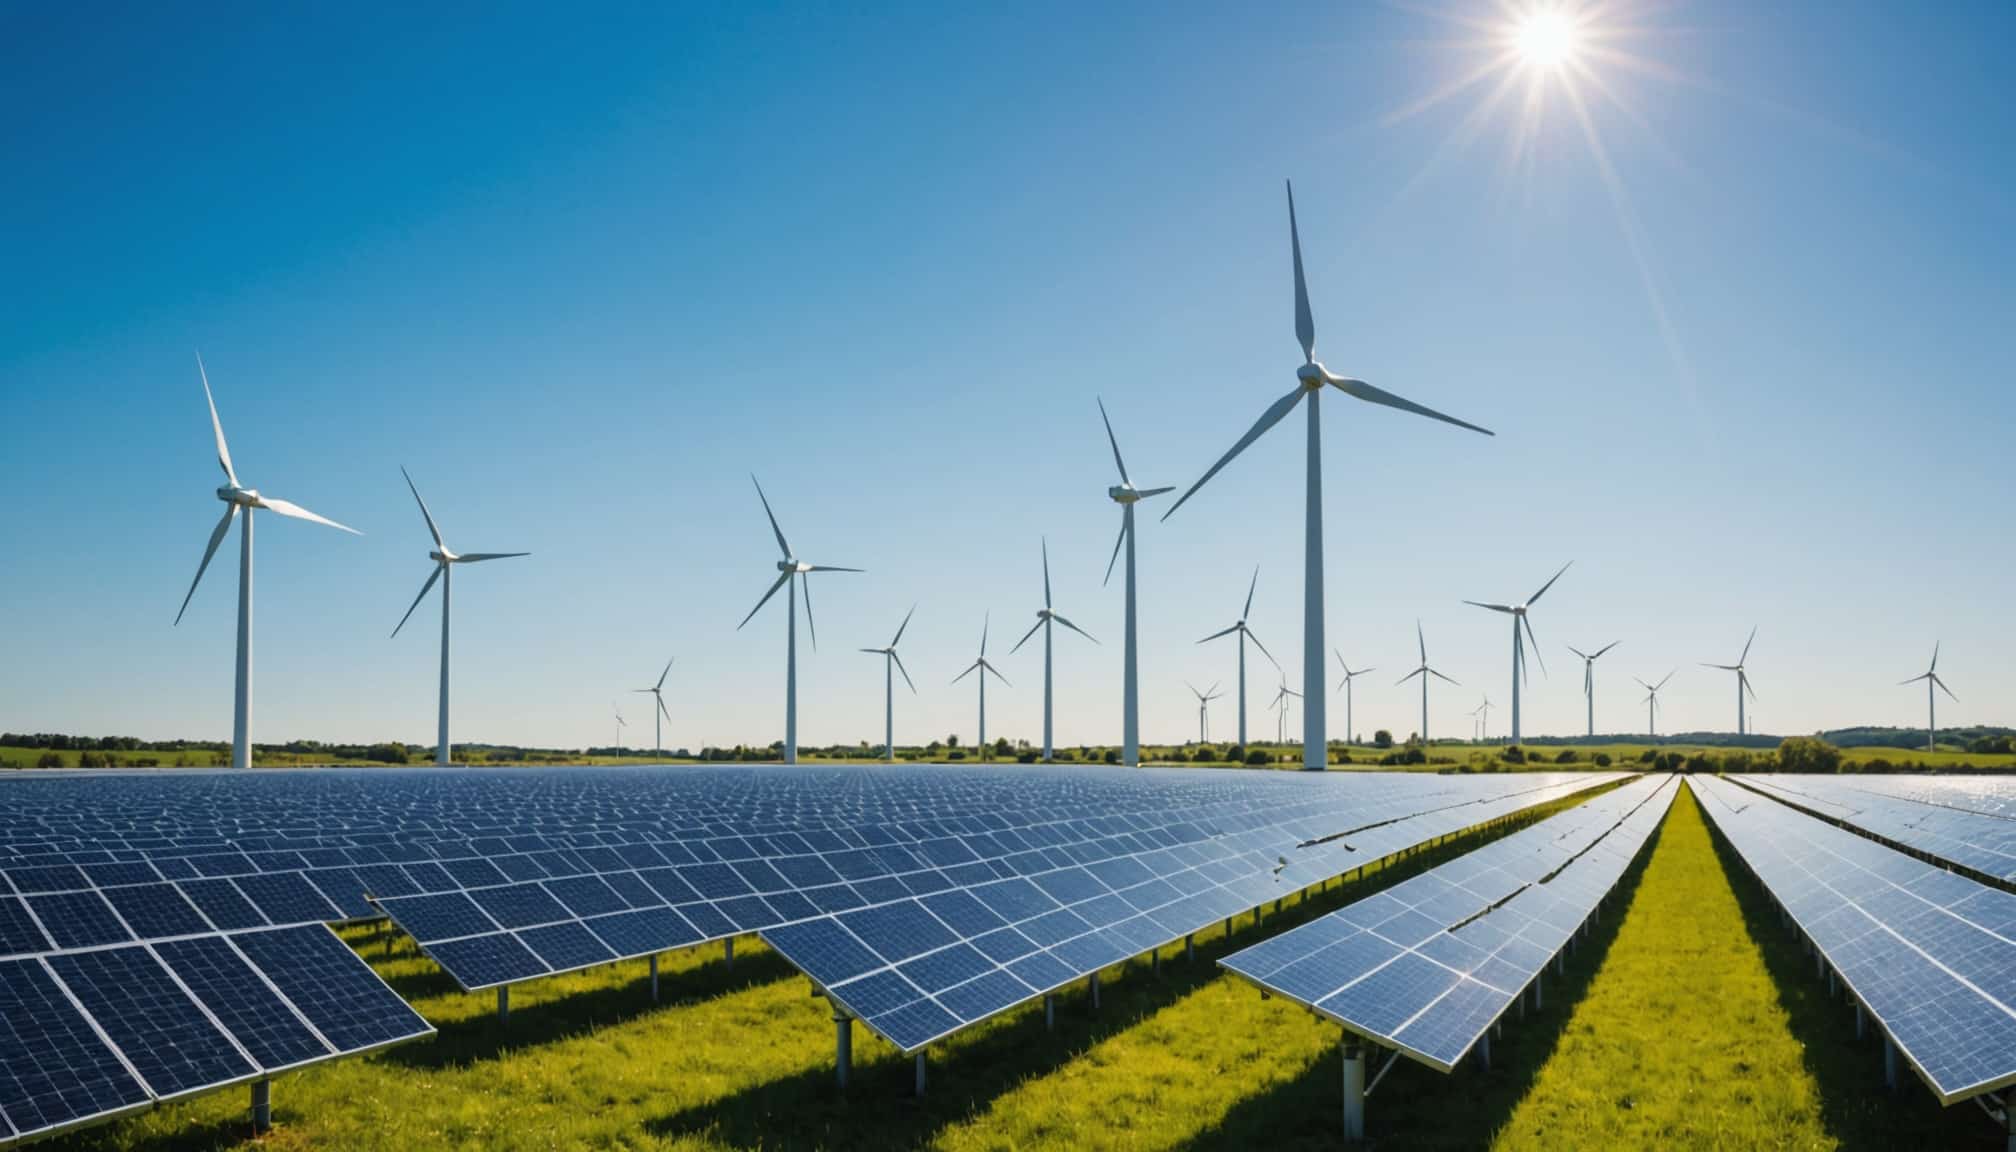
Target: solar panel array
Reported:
[(1969, 820), (93, 1033), (1428, 965), (1930, 954)]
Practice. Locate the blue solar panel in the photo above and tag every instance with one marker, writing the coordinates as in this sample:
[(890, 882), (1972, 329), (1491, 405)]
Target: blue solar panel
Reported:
[(18, 934), (567, 945), (163, 1034), (337, 992), (55, 1071), (250, 1011), (156, 911), (644, 931), (520, 905), (222, 903), (440, 917), (483, 961), (78, 919)]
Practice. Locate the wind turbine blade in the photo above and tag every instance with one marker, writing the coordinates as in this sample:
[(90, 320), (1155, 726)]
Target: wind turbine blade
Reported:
[(778, 532), (1943, 688), (479, 557), (1117, 541), (1305, 323), (1669, 676), (1145, 493), (986, 668), (1535, 598), (432, 530), (1421, 638), (903, 670), (424, 589), (1432, 672), (1605, 648), (1409, 676), (902, 626), (1250, 586), (1111, 439), (662, 675), (986, 624), (1724, 667), (1935, 657), (811, 626), (831, 568), (662, 710), (1506, 608), (1368, 393), (1537, 654), (1578, 652), (216, 538), (1268, 419), (1262, 648), (1193, 690), (782, 578), (1915, 679), (1046, 573), (970, 669), (1216, 635), (216, 425), (1074, 628), (1025, 636), (288, 508), (1744, 678), (1745, 658)]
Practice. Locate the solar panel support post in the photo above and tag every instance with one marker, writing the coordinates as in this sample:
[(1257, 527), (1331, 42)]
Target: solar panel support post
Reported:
[(920, 1072), (1049, 1012), (728, 953), (1484, 1050), (654, 979), (1537, 1002), (262, 1106), (843, 1046), (1092, 986), (1190, 948), (1155, 963), (2009, 1121), (1889, 1063), (1354, 1090), (504, 1004), (1859, 1026)]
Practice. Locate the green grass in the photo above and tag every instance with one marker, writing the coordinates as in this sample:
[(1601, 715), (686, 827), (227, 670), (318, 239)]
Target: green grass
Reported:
[(1688, 1019)]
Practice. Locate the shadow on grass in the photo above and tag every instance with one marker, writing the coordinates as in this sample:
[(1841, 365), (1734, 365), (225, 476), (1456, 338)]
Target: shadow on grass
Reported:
[(1855, 1105), (1416, 1106), (193, 1136), (967, 1073)]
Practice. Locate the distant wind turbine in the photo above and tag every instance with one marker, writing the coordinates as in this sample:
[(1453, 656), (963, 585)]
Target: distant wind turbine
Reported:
[(1519, 617), (1482, 713), (657, 692), (1044, 618), (1742, 679), (237, 498), (443, 561), (1589, 677), (1931, 679), (1652, 703), (1424, 671), (620, 725), (1280, 704), (984, 669), (1244, 633), (1310, 380), (1203, 709), (1350, 733), (789, 569), (891, 664), (1126, 495)]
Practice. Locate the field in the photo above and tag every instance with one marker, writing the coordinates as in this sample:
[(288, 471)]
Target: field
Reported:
[(1688, 1019)]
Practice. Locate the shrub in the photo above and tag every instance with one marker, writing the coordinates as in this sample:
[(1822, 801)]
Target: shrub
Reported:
[(1514, 754), (1026, 756), (1602, 760), (1382, 739), (1566, 756), (1112, 755), (1807, 754), (1257, 756), (49, 760), (956, 754)]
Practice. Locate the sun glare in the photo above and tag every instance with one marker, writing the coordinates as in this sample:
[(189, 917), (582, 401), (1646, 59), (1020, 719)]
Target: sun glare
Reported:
[(1546, 38)]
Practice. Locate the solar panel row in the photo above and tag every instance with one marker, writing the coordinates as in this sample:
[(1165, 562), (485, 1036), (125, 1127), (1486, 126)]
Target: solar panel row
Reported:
[(1968, 820), (1931, 955), (88, 1035), (1428, 965)]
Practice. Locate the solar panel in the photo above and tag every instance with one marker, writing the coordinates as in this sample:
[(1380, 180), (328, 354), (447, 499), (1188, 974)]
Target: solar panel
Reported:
[(165, 1036), (1931, 955), (265, 1025), (56, 1071), (1968, 820), (1428, 965)]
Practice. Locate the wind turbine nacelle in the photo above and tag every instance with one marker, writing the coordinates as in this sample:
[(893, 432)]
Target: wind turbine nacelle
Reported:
[(787, 566), (1312, 375), (1123, 494), (243, 497)]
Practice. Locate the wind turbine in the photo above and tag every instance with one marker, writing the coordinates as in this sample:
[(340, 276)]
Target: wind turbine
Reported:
[(1931, 678), (1203, 709), (1519, 617), (1126, 495), (1483, 715), (1044, 618), (237, 498), (657, 692), (1652, 703), (1742, 678), (1244, 633), (1280, 705), (443, 561), (891, 661), (1589, 677), (1311, 378), (789, 569), (984, 668), (1424, 671), (1349, 732), (620, 725)]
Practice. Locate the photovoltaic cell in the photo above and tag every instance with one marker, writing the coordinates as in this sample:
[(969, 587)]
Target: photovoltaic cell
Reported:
[(55, 1071), (337, 992), (251, 1012), (162, 1033)]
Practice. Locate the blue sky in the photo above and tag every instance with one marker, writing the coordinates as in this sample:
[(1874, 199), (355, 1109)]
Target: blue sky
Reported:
[(584, 277)]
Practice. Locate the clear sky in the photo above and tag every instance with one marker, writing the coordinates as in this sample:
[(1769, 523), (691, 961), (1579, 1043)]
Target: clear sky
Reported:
[(1744, 337)]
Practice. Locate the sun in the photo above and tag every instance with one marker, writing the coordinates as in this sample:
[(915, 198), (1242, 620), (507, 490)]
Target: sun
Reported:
[(1546, 39)]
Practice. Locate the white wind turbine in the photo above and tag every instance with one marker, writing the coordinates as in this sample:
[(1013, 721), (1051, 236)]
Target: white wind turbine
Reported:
[(1931, 679), (443, 561), (1652, 703), (657, 692), (1742, 679), (237, 498), (1424, 671), (1126, 495), (1519, 617), (1482, 715), (1044, 618), (789, 569), (1350, 733), (891, 664), (1311, 378), (1589, 677), (1244, 633), (984, 669), (1280, 705), (1203, 709), (620, 725)]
